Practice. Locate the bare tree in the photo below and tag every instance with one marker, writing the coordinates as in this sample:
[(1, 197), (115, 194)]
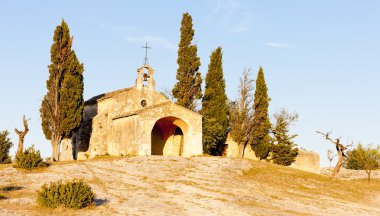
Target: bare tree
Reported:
[(241, 118), (330, 155), (168, 94), (21, 135), (340, 148)]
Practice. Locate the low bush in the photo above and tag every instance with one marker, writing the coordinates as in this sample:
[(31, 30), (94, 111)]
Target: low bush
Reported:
[(71, 194), (360, 158), (30, 158), (284, 154), (2, 197)]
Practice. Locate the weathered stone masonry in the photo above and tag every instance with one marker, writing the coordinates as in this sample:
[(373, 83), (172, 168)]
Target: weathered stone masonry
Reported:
[(135, 121)]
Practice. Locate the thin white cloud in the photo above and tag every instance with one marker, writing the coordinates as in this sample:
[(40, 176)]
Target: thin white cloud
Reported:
[(231, 14), (277, 45), (154, 40), (243, 24), (123, 28), (217, 7), (103, 24), (239, 28)]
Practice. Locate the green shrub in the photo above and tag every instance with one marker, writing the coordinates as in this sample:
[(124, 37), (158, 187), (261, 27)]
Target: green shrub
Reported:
[(30, 159), (283, 149), (5, 145), (283, 154), (359, 158), (2, 197), (71, 194), (353, 159)]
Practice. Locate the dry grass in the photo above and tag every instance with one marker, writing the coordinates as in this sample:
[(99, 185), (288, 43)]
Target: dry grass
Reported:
[(292, 183), (191, 186), (3, 166)]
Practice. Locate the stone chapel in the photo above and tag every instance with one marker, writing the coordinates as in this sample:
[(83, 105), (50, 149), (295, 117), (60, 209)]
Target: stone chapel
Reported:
[(136, 121)]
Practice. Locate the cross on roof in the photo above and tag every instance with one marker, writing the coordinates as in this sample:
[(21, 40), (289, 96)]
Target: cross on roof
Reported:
[(146, 53)]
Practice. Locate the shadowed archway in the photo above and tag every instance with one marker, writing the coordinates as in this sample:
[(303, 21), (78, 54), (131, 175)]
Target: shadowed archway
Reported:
[(168, 136)]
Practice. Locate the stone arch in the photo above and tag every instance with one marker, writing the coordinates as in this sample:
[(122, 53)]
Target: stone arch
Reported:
[(169, 136)]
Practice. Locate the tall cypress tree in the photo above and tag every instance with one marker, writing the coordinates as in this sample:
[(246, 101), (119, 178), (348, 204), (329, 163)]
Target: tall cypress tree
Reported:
[(188, 88), (214, 106), (62, 107), (261, 124), (5, 146)]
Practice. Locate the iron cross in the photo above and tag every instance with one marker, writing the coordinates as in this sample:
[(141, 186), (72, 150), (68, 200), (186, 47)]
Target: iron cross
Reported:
[(146, 52)]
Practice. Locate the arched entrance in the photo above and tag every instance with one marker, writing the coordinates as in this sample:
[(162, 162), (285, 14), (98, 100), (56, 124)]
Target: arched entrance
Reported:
[(168, 136)]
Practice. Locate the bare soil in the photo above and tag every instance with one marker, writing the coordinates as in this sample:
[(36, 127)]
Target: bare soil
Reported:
[(158, 185), (349, 174)]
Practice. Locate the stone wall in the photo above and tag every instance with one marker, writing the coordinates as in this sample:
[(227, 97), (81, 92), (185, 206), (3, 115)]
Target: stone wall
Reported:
[(306, 160), (232, 150), (167, 140), (103, 132), (189, 122), (173, 145), (66, 150), (118, 124), (122, 138)]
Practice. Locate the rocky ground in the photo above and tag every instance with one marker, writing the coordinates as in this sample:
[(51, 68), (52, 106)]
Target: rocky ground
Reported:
[(191, 186), (349, 174)]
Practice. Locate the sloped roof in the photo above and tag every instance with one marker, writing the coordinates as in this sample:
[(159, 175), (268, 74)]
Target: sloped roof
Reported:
[(123, 115), (145, 109), (106, 95)]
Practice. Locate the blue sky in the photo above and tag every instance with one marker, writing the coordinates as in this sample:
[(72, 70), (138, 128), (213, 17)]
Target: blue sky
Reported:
[(321, 59)]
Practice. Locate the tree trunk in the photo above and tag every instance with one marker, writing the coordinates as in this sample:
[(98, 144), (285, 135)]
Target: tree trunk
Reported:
[(241, 149), (21, 135), (369, 175), (56, 145), (338, 165), (20, 144)]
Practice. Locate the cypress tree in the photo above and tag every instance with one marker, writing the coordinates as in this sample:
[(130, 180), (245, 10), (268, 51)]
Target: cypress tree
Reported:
[(261, 124), (214, 107), (188, 88), (62, 106), (5, 146)]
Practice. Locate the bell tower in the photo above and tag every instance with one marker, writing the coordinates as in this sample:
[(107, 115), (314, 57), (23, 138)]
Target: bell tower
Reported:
[(144, 80)]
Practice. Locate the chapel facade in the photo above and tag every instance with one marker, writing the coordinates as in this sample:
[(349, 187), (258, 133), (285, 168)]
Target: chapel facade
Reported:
[(136, 121)]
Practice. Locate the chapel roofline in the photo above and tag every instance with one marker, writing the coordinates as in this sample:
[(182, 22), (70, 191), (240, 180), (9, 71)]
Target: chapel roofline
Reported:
[(166, 103), (106, 95)]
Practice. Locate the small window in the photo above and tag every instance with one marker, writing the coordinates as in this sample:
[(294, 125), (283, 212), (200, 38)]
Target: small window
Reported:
[(143, 103)]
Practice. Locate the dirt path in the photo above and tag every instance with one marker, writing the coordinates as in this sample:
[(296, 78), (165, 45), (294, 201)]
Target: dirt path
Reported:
[(183, 186)]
